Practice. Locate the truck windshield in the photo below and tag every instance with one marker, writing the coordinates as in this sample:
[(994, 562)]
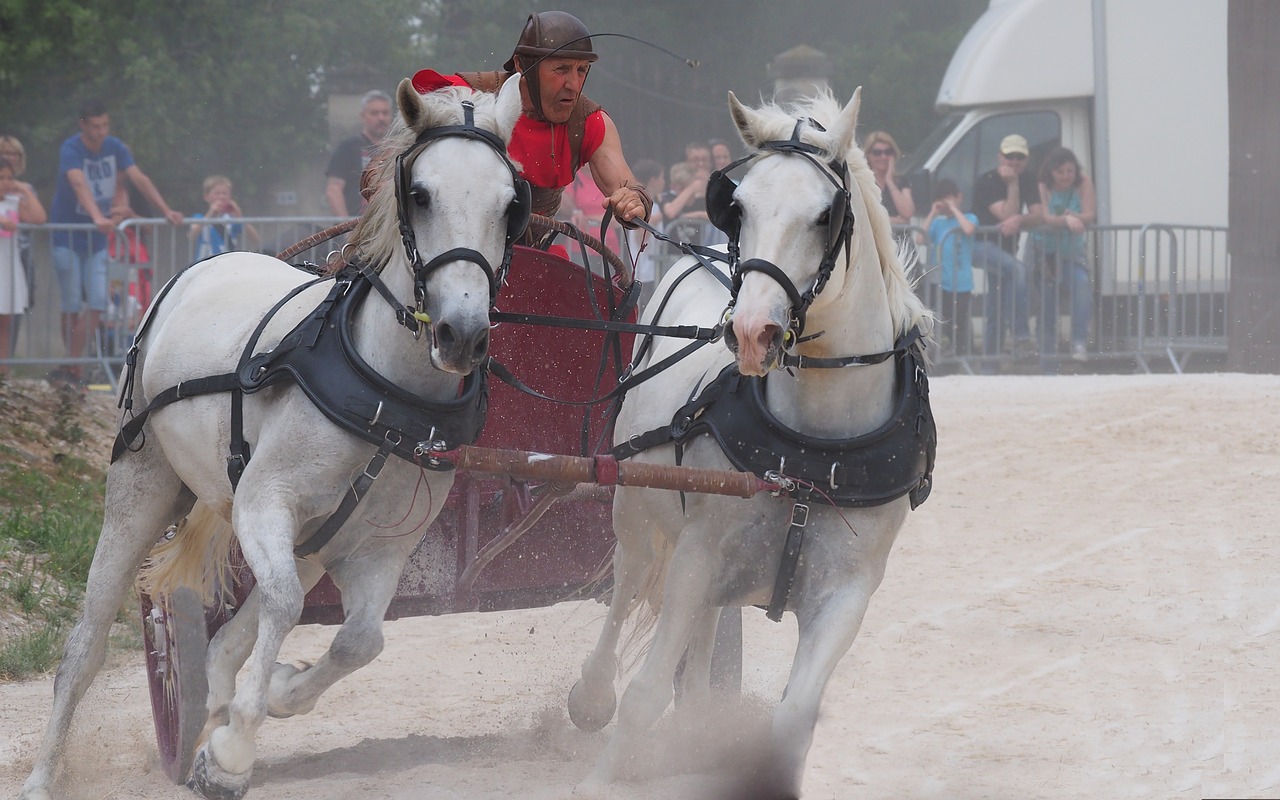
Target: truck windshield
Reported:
[(913, 160)]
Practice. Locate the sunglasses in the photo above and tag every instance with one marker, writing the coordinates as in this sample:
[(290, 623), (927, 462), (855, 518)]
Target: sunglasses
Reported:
[(1015, 156), (881, 151)]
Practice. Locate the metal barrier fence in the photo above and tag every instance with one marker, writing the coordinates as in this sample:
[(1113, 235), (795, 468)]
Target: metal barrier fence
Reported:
[(140, 256), (1141, 293), (1136, 293)]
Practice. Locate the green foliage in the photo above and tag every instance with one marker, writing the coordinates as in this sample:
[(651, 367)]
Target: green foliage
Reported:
[(241, 88), (225, 86), (31, 653), (58, 516)]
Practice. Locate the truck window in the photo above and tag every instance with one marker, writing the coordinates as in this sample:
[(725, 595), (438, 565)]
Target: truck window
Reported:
[(912, 161), (975, 153)]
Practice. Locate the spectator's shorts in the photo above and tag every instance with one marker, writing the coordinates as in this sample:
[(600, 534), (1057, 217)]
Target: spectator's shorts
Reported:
[(82, 278)]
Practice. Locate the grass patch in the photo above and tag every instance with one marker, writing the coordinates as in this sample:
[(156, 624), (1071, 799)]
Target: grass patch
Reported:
[(50, 517), (56, 515), (32, 653)]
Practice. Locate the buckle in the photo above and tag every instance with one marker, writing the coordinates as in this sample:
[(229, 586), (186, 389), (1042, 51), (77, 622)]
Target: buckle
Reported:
[(799, 515)]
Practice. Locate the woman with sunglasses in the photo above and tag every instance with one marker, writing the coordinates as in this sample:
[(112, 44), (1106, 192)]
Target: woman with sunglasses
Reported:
[(882, 154)]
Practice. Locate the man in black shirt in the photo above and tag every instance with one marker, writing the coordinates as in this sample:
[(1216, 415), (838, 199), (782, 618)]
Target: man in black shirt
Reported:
[(352, 155), (1000, 198)]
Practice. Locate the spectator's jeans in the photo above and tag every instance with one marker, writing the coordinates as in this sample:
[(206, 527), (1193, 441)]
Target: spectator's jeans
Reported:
[(1007, 301), (82, 278), (1060, 290)]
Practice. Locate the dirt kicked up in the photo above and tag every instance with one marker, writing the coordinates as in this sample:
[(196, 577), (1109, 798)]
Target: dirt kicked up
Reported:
[(1086, 607)]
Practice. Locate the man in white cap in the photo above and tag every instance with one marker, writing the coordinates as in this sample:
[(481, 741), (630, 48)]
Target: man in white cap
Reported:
[(1001, 198)]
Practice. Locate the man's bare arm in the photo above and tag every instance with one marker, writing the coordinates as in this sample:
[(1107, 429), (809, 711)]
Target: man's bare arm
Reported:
[(625, 195), (149, 190), (84, 195), (333, 192)]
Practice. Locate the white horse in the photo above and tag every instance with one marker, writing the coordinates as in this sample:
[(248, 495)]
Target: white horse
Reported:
[(820, 290), (435, 230)]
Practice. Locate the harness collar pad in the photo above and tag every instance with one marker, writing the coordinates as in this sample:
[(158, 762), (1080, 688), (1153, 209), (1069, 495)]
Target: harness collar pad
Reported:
[(867, 470), (319, 355)]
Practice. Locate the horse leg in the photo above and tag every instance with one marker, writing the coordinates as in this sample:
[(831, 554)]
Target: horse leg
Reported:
[(368, 583), (265, 528), (143, 497), (234, 641), (824, 637), (592, 700), (695, 678), (685, 600)]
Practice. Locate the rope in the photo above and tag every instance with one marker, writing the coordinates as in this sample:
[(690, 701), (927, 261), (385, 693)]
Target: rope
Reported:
[(332, 232)]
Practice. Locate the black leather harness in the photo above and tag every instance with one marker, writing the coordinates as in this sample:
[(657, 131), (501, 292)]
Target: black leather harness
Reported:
[(320, 357), (867, 470), (872, 469)]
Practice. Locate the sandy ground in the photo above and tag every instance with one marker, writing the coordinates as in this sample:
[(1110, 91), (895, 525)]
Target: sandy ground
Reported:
[(1085, 608)]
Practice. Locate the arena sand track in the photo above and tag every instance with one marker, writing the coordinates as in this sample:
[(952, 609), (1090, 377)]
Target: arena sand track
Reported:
[(1086, 607)]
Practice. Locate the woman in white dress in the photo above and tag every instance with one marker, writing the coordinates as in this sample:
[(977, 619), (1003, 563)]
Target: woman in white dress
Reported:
[(18, 204)]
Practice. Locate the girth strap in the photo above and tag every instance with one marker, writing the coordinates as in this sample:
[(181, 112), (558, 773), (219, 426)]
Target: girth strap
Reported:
[(359, 487), (786, 576), (210, 385)]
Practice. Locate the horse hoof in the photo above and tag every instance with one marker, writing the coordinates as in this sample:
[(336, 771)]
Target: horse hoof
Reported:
[(213, 782), (591, 710), (278, 691)]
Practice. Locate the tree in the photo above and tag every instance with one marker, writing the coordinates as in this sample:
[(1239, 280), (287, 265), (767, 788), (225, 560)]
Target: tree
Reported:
[(227, 86), (241, 87)]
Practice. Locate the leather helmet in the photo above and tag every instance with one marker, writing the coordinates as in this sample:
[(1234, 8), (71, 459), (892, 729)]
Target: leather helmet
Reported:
[(547, 30)]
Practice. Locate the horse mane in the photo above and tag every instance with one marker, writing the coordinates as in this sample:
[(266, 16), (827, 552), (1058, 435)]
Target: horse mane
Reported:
[(376, 238), (777, 122)]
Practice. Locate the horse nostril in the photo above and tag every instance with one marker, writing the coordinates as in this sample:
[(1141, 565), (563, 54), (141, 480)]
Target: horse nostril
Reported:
[(445, 337), (770, 336), (482, 346)]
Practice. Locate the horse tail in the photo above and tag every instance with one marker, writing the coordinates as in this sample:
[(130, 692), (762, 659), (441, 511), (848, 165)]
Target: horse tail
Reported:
[(197, 555), (649, 602)]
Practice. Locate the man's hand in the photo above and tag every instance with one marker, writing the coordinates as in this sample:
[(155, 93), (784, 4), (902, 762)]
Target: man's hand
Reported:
[(1011, 226), (627, 204), (175, 217), (1007, 173)]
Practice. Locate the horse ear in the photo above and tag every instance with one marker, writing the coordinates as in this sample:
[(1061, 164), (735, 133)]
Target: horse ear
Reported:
[(743, 119), (507, 109), (412, 109), (847, 124)]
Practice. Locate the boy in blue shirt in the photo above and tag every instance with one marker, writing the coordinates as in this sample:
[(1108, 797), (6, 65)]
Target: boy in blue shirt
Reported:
[(951, 236)]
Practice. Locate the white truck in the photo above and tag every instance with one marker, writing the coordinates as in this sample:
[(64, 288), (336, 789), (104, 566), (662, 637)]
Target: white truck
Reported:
[(1138, 90)]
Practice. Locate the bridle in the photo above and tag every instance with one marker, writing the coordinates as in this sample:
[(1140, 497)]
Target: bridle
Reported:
[(518, 214), (726, 215)]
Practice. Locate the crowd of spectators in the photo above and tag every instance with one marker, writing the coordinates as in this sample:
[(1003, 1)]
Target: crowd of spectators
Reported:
[(1052, 203)]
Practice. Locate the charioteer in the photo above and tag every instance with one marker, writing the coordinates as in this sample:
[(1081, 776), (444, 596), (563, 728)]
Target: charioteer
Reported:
[(561, 129)]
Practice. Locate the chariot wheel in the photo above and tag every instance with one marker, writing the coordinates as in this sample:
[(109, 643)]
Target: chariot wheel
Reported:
[(176, 638)]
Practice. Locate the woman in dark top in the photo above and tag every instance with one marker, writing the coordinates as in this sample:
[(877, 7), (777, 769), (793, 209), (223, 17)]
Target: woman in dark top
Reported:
[(882, 154)]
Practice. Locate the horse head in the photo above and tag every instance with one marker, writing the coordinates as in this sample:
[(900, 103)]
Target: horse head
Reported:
[(448, 206), (791, 220)]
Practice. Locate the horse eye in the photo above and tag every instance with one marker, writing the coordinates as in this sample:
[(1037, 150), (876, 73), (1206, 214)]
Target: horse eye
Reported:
[(421, 197), (825, 218)]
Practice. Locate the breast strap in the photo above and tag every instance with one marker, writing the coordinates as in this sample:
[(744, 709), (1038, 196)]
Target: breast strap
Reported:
[(868, 470), (319, 355)]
